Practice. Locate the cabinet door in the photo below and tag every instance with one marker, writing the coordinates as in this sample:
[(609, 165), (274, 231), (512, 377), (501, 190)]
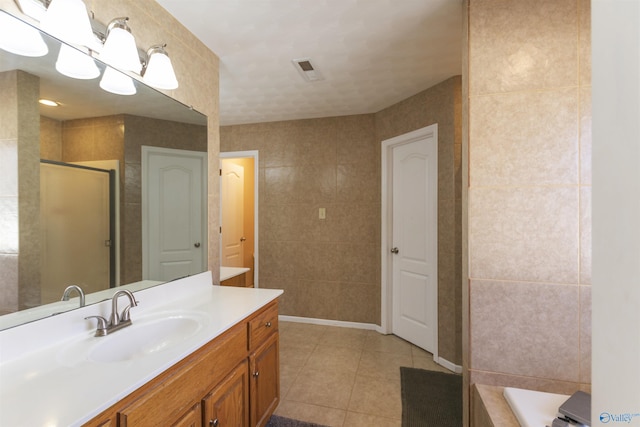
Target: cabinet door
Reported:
[(265, 381), (193, 418), (228, 403)]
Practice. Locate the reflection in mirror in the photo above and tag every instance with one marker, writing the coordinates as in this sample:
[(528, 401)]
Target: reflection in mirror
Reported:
[(90, 131)]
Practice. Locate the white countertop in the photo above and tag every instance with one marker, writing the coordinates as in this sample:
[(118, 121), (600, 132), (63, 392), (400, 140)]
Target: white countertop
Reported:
[(229, 272), (42, 385)]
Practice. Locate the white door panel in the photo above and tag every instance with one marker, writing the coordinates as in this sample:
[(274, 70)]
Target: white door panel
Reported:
[(174, 234), (415, 221)]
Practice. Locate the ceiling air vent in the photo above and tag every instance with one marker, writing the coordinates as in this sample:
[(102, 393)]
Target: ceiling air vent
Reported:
[(307, 70)]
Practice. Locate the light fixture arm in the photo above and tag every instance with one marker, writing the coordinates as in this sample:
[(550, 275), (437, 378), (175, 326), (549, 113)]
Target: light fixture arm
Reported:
[(118, 23), (157, 48)]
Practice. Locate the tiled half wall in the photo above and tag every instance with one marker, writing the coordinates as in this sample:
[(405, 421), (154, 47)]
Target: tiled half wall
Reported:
[(529, 94)]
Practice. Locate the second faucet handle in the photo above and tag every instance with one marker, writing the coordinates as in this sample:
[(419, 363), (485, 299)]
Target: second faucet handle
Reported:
[(102, 325)]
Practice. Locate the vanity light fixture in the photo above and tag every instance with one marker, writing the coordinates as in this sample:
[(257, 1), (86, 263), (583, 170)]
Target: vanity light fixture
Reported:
[(120, 50), (117, 82), (76, 64), (20, 38), (158, 71), (68, 21), (113, 44)]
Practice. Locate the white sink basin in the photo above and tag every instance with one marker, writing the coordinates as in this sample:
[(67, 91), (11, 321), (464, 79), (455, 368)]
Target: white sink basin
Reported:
[(145, 337)]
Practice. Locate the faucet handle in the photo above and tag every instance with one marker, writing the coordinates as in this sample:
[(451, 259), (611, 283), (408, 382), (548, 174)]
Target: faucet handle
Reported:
[(102, 325)]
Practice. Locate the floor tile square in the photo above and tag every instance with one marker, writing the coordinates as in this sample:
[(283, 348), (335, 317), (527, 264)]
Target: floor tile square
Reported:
[(319, 387)]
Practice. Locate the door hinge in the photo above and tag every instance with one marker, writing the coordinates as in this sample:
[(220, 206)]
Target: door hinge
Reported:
[(220, 172), (220, 230)]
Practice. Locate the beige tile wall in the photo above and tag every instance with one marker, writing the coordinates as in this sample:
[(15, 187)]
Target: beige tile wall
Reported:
[(330, 269), (529, 193), (9, 247), (20, 193), (28, 190), (50, 139)]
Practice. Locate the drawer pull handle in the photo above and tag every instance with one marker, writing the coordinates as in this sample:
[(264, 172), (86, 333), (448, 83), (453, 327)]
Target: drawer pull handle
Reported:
[(268, 324), (213, 423), (255, 374)]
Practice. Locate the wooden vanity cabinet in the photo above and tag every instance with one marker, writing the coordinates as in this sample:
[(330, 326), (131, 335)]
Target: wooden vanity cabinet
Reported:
[(231, 381)]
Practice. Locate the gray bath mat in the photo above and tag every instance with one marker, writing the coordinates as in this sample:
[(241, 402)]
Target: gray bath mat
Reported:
[(430, 398), (278, 421)]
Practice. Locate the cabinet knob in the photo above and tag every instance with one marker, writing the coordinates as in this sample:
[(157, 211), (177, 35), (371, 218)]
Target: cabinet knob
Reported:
[(268, 324), (213, 423), (255, 374)]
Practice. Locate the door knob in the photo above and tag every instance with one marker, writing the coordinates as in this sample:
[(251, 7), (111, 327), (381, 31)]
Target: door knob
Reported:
[(197, 244), (242, 239), (395, 250)]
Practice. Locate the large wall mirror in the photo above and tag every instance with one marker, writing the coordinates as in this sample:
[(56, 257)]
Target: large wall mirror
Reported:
[(52, 164)]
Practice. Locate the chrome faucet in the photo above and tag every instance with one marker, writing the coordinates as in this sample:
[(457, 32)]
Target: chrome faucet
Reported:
[(67, 292), (116, 321)]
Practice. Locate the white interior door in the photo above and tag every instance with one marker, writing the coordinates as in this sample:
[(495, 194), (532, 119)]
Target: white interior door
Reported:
[(232, 214), (415, 241), (75, 229), (173, 213)]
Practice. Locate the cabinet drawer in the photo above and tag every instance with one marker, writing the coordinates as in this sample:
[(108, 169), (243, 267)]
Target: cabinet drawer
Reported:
[(263, 325)]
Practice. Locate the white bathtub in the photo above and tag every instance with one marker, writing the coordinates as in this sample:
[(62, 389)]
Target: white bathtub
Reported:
[(534, 408)]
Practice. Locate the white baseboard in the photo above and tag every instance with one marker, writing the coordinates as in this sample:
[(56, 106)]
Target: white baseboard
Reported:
[(450, 366), (326, 322)]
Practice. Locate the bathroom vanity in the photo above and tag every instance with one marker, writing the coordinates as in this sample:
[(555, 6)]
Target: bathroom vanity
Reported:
[(195, 355)]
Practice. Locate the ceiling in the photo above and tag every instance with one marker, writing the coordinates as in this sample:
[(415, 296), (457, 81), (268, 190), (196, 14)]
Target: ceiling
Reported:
[(371, 53)]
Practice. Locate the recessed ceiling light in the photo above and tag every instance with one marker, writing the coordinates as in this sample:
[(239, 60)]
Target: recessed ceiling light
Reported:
[(49, 102)]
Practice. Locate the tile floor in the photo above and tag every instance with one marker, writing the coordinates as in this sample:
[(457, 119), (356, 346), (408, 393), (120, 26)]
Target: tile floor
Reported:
[(344, 377)]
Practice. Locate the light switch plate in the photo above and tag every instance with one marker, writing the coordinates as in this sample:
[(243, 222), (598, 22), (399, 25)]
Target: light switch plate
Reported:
[(322, 213)]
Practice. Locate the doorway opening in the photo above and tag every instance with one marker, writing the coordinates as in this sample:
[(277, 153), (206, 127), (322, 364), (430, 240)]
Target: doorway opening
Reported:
[(77, 212), (409, 246), (239, 212)]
